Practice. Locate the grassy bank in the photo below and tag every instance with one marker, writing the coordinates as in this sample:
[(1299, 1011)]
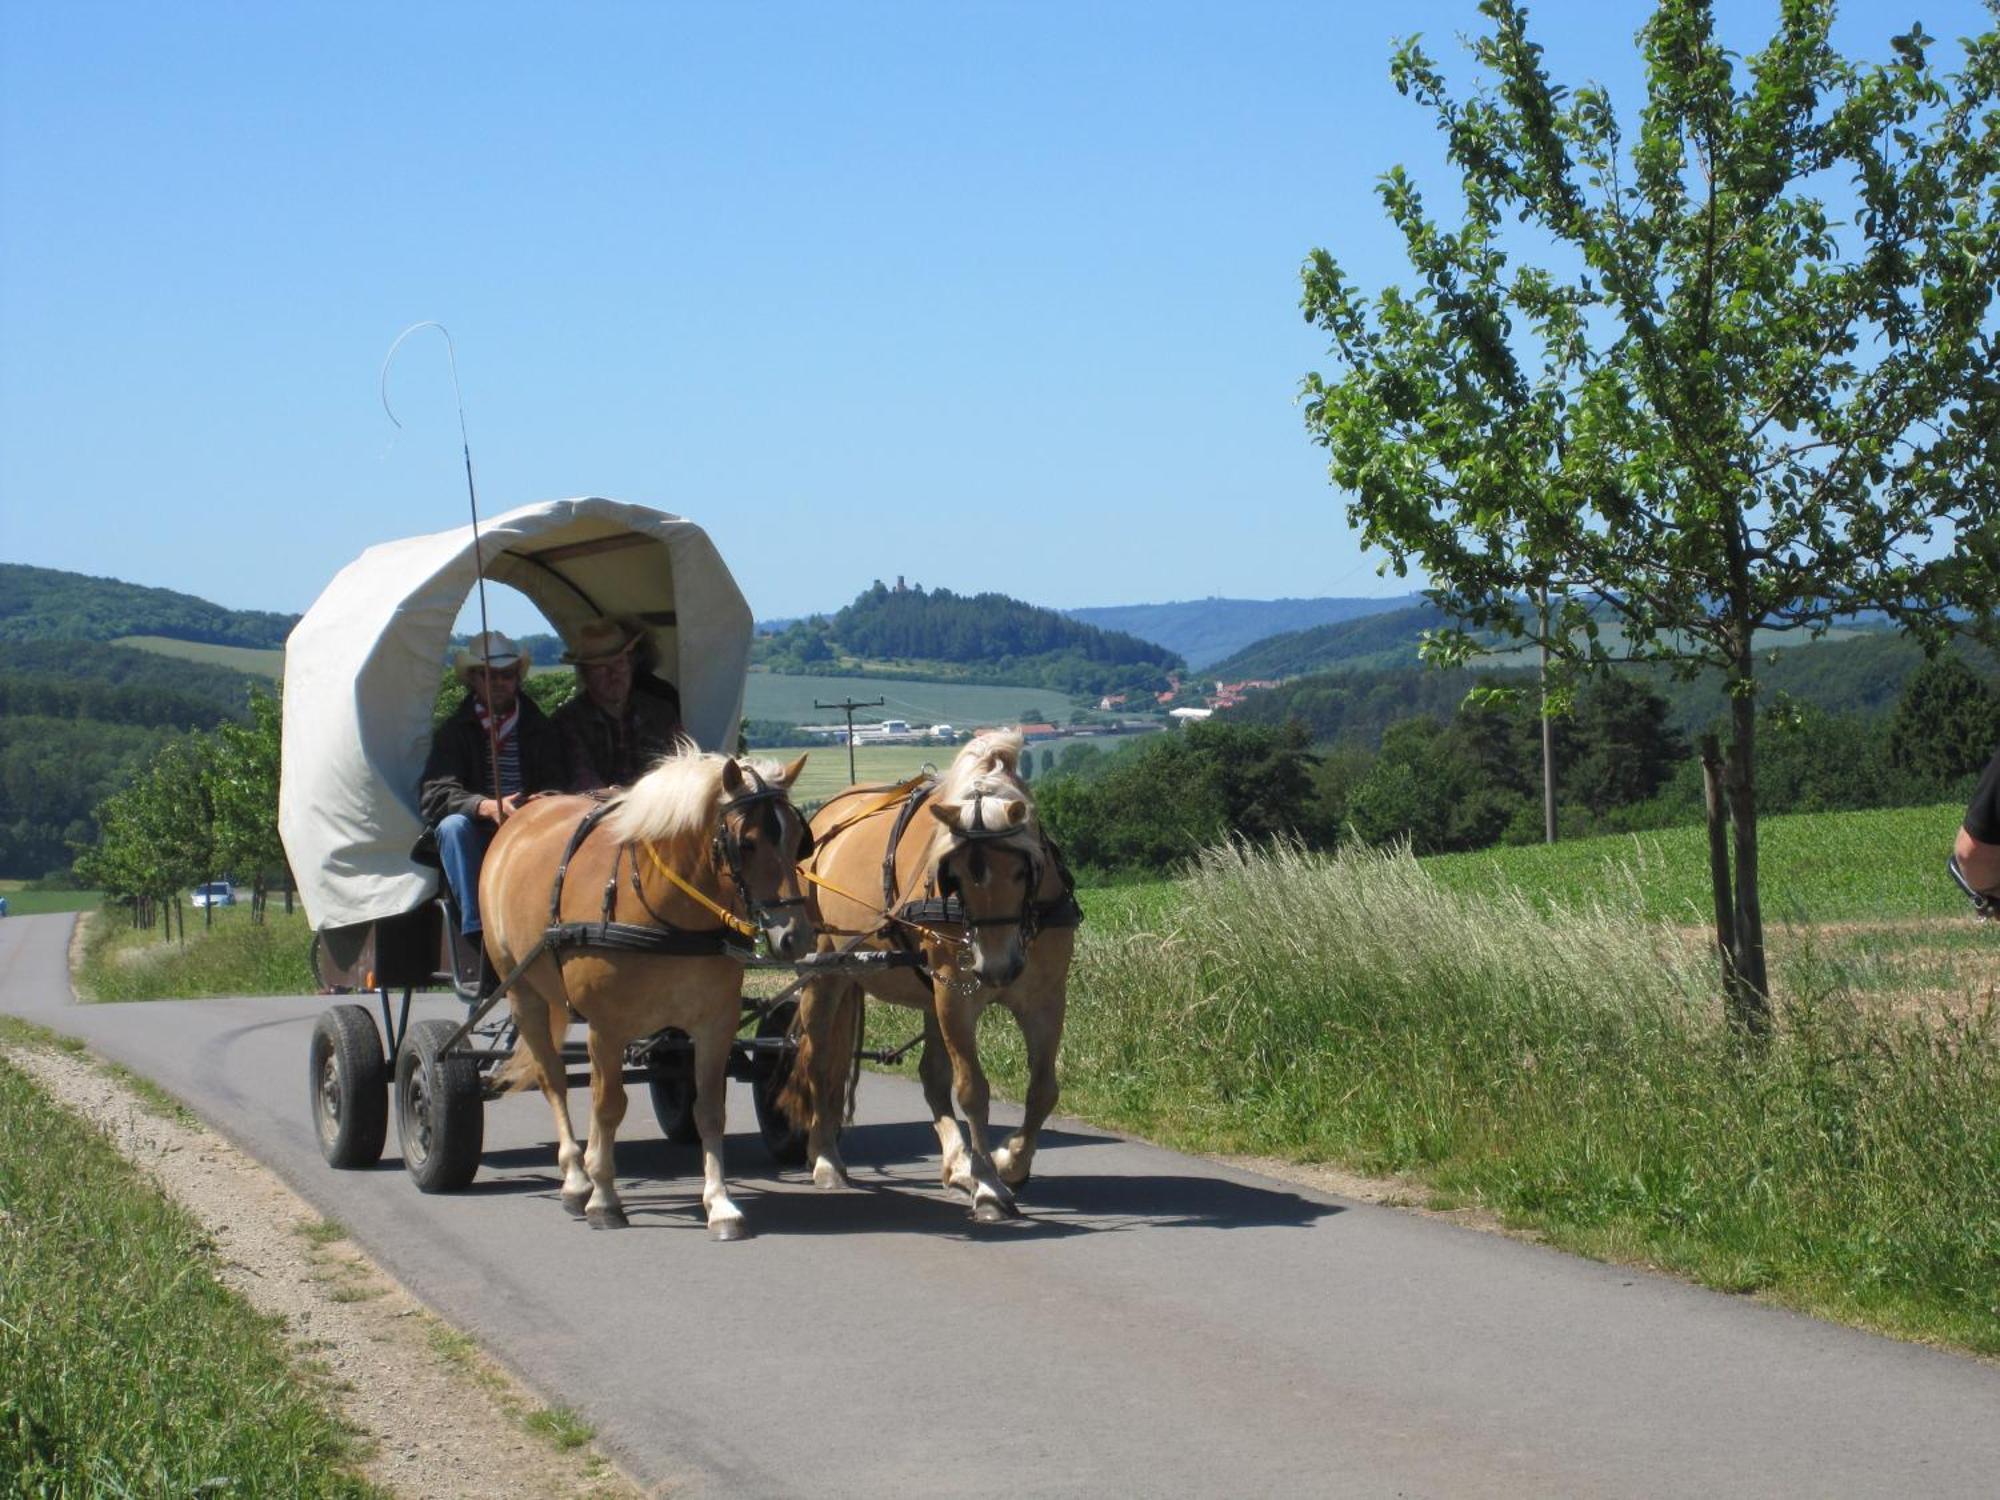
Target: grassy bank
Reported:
[(1565, 1066), (235, 956), (125, 1367)]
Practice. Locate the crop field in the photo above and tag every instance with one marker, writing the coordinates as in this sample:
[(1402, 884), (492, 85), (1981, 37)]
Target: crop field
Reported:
[(968, 706), (261, 663)]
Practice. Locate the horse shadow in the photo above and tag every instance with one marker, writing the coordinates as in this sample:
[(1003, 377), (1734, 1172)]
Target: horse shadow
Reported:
[(896, 1190)]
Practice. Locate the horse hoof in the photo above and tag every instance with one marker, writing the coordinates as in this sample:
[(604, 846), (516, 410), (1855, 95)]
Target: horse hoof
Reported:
[(994, 1211), (573, 1204), (607, 1218), (826, 1178), (724, 1230)]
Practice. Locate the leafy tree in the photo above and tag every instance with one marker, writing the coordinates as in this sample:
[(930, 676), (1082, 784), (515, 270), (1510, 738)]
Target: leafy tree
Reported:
[(1947, 722), (1755, 386), (1616, 747)]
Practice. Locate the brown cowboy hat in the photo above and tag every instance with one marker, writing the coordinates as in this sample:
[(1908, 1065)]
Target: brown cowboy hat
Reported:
[(599, 641)]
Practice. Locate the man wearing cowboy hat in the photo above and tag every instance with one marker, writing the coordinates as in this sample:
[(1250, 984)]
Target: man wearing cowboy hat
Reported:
[(465, 795), (624, 718)]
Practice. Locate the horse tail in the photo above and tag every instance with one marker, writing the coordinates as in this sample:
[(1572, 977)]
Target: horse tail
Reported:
[(829, 1048), (521, 1072)]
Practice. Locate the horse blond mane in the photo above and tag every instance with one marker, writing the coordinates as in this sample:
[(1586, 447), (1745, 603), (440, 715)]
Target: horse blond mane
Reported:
[(676, 802), (984, 756)]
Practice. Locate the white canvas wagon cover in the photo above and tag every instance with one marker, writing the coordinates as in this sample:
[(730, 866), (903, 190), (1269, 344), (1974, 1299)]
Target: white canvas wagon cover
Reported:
[(362, 666)]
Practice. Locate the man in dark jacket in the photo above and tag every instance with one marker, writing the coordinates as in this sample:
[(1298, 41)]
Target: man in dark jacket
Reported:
[(623, 718), (464, 795)]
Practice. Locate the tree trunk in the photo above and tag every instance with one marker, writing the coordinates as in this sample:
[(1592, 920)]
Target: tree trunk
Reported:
[(1750, 993), (1712, 778)]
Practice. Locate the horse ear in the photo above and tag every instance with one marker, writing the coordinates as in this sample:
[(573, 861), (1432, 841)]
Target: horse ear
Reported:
[(947, 813), (732, 777), (1017, 813), (791, 772)]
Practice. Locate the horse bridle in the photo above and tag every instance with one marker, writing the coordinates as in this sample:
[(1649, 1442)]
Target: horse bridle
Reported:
[(729, 848), (1028, 919), (728, 852)]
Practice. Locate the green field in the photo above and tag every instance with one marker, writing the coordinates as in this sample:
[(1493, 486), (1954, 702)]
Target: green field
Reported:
[(260, 663), (790, 699), (1879, 865), (826, 766), (22, 903)]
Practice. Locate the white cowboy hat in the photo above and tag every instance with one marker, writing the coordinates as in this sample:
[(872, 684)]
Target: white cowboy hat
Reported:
[(490, 649)]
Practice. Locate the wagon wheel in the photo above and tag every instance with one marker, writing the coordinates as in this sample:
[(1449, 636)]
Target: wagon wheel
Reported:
[(440, 1118), (769, 1073), (670, 1075), (316, 960), (350, 1087)]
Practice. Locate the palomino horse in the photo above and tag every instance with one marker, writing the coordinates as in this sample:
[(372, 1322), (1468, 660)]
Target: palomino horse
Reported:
[(636, 906), (975, 893)]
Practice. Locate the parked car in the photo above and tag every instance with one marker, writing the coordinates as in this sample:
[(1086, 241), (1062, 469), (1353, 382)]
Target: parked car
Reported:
[(215, 893)]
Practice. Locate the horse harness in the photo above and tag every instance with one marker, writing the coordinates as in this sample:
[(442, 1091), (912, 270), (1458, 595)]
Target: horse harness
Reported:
[(942, 903), (664, 937)]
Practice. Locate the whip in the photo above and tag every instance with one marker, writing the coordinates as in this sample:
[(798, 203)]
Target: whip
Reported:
[(472, 499)]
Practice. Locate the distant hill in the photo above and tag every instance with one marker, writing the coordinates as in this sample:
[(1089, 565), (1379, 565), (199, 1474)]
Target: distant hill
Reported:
[(1386, 641), (1204, 631), (1860, 673), (1376, 641), (77, 719), (45, 604), (986, 638)]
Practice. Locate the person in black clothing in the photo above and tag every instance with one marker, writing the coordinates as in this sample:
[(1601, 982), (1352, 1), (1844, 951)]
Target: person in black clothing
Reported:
[(464, 797), (1975, 858), (622, 718)]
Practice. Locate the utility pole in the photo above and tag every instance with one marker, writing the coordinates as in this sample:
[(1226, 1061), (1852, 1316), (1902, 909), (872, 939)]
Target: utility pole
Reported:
[(1548, 738), (849, 705)]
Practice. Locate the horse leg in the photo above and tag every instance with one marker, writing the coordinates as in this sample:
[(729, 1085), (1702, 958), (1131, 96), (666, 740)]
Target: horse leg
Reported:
[(712, 1041), (535, 1025), (958, 1023), (828, 1028), (607, 1109), (934, 1068), (1040, 1016)]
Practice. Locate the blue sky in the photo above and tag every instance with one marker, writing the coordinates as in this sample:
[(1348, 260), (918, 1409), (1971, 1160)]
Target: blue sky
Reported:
[(987, 296)]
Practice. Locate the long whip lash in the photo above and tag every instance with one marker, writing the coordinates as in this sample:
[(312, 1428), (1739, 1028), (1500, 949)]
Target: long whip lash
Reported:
[(472, 499)]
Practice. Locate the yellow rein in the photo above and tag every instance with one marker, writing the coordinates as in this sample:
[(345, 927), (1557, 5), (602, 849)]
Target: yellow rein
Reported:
[(929, 932), (729, 918)]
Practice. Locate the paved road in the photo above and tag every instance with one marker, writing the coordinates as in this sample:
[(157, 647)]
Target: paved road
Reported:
[(1159, 1326)]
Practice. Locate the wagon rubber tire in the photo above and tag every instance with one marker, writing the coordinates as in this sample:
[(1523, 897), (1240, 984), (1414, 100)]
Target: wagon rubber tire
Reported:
[(784, 1140), (440, 1115), (670, 1080), (350, 1088)]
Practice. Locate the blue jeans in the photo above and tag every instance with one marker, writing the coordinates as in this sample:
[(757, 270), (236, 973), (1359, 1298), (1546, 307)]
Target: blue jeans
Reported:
[(462, 845)]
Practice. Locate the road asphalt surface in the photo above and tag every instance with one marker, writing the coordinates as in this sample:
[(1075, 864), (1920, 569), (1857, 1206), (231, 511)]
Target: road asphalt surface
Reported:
[(1156, 1325)]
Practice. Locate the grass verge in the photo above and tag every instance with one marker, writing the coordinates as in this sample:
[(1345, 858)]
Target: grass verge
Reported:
[(125, 1367), (234, 956), (1562, 1065)]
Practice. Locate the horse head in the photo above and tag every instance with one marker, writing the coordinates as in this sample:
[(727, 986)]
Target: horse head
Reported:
[(991, 862), (762, 838)]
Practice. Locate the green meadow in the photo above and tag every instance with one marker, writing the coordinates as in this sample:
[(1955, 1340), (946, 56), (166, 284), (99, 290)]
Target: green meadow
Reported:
[(258, 662)]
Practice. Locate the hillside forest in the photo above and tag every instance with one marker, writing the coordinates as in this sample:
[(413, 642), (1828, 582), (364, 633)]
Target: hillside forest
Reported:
[(1368, 753)]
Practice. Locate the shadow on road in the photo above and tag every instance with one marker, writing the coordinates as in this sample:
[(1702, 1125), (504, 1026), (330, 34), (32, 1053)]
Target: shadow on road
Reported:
[(896, 1190)]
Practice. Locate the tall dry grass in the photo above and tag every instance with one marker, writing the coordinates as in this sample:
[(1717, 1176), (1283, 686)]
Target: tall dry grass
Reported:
[(1567, 1066)]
